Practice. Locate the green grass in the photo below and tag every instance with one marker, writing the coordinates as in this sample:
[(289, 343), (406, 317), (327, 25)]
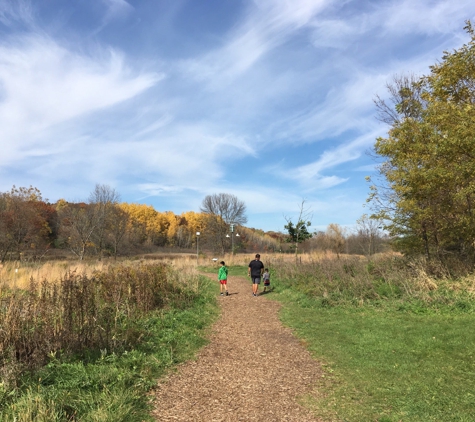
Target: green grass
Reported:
[(113, 387), (387, 362)]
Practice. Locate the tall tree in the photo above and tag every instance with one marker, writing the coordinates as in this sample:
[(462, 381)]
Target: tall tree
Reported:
[(428, 191), (228, 207), (225, 209), (77, 225), (336, 238), (368, 233), (118, 229), (103, 200)]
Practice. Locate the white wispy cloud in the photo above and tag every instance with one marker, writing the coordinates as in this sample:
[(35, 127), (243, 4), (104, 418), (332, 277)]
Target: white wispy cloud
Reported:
[(392, 18), (18, 11), (314, 175), (115, 10), (266, 25), (44, 84), (438, 16)]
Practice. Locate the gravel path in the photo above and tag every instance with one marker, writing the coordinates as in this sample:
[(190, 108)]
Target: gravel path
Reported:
[(253, 369)]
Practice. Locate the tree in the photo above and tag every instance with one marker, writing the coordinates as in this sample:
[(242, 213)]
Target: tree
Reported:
[(228, 207), (118, 229), (77, 225), (225, 209), (427, 195), (24, 221), (368, 231), (336, 238), (146, 226), (298, 233), (104, 200)]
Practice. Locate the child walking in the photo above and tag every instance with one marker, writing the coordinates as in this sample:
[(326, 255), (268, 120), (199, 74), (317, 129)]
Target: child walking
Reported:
[(223, 279), (266, 279)]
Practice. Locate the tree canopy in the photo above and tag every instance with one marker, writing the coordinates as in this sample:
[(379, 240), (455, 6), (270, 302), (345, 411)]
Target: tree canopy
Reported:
[(228, 207), (427, 194)]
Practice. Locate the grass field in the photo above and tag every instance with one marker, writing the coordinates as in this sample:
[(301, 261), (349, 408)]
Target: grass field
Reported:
[(395, 345), (387, 360)]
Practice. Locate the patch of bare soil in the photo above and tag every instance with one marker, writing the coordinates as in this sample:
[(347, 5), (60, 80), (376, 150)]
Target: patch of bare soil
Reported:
[(253, 369)]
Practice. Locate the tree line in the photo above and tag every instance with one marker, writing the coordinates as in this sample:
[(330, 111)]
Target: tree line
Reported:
[(103, 226), (30, 226)]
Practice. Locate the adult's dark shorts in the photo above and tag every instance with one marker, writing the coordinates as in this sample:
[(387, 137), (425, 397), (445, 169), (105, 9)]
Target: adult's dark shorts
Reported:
[(256, 280)]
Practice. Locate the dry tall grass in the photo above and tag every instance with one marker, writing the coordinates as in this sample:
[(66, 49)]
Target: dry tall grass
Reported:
[(268, 258), (18, 275), (356, 280), (83, 308)]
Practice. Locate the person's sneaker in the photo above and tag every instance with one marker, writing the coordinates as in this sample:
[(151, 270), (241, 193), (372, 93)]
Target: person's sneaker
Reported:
[(221, 294), (227, 293)]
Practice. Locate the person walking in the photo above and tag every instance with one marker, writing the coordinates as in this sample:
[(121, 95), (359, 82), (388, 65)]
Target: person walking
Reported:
[(255, 272), (223, 279), (266, 280)]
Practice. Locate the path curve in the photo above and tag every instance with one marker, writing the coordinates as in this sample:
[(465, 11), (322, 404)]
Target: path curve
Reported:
[(253, 369)]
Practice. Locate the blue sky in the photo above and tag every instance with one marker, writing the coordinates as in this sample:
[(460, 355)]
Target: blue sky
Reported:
[(168, 101)]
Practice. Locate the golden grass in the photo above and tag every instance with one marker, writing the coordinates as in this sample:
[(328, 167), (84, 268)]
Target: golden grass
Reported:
[(18, 275), (268, 258)]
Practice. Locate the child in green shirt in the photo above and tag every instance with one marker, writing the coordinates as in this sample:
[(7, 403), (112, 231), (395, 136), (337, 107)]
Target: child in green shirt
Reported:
[(223, 279)]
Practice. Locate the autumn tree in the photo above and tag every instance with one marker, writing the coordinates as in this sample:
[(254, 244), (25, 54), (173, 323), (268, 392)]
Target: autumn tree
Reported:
[(77, 226), (427, 189), (189, 224), (103, 200), (24, 221), (257, 240), (117, 230), (336, 239)]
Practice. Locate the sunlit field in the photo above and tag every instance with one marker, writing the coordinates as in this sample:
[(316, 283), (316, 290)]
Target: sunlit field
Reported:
[(18, 274), (368, 306)]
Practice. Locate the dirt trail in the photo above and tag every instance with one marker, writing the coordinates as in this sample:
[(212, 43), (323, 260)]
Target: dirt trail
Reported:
[(254, 369)]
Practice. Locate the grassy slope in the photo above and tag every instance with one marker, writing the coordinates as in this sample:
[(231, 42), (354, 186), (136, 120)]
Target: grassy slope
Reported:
[(386, 364)]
